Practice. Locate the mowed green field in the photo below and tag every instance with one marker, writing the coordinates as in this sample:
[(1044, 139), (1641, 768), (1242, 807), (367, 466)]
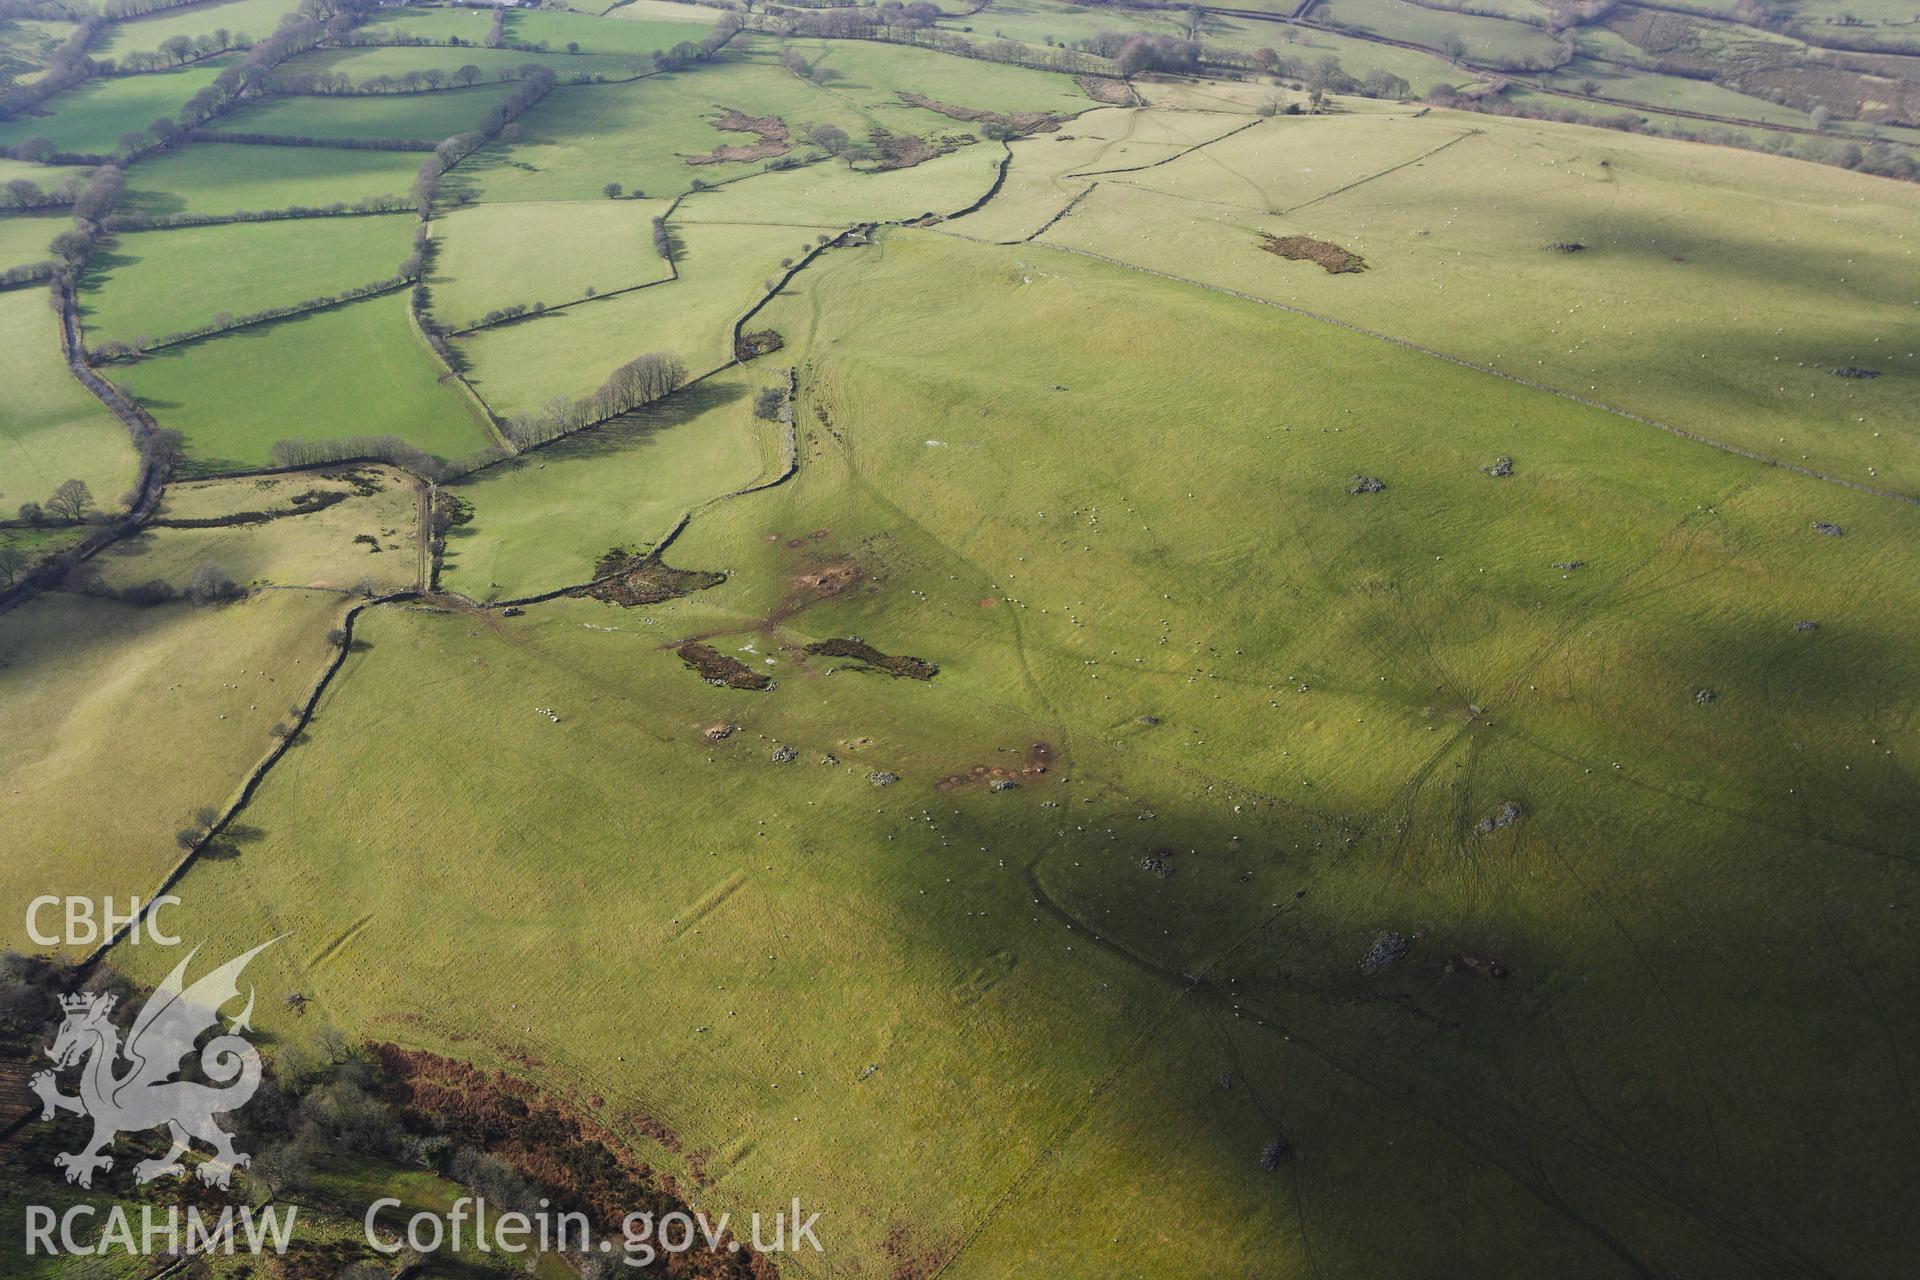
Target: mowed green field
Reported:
[(543, 521), (1299, 701), (410, 117), (355, 370), (253, 19), (90, 118), (53, 430), (148, 284), (491, 256), (1681, 306), (219, 178)]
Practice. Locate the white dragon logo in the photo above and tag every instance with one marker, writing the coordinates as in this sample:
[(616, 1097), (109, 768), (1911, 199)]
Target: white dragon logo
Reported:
[(146, 1096)]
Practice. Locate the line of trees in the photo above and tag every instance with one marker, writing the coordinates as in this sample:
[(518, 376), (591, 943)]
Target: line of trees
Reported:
[(287, 454), (23, 194), (639, 381), (339, 209), (67, 66), (176, 51), (295, 140), (425, 80), (29, 273)]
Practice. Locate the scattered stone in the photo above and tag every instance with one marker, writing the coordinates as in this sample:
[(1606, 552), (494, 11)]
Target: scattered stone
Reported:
[(1273, 1153), (719, 732), (1226, 1080), (784, 755), (1003, 784), (1705, 696), (1479, 966), (1567, 246), (1366, 484), (1806, 626), (829, 759), (1157, 863), (881, 778), (1386, 949), (1148, 721), (721, 669), (1502, 467), (1330, 257), (512, 611), (1854, 371), (1831, 530), (1505, 816), (1569, 566)]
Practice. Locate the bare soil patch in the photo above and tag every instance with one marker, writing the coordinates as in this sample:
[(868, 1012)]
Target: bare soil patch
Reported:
[(771, 130), (1336, 260), (1115, 93), (903, 666), (721, 669)]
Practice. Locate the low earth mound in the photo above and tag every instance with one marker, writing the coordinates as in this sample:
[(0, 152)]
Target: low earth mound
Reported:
[(1018, 121), (718, 668), (626, 579), (1336, 260), (771, 130), (901, 665)]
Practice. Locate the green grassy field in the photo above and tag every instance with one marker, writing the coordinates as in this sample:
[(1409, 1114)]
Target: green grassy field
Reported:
[(1310, 662), (149, 284), (423, 117), (1419, 775), (468, 25), (1485, 39), (220, 178), (253, 19), (90, 118), (24, 237), (54, 430), (362, 64), (639, 33), (578, 139), (1681, 307), (542, 521), (355, 370), (366, 541), (84, 677), (26, 46), (497, 255), (47, 177), (723, 271)]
